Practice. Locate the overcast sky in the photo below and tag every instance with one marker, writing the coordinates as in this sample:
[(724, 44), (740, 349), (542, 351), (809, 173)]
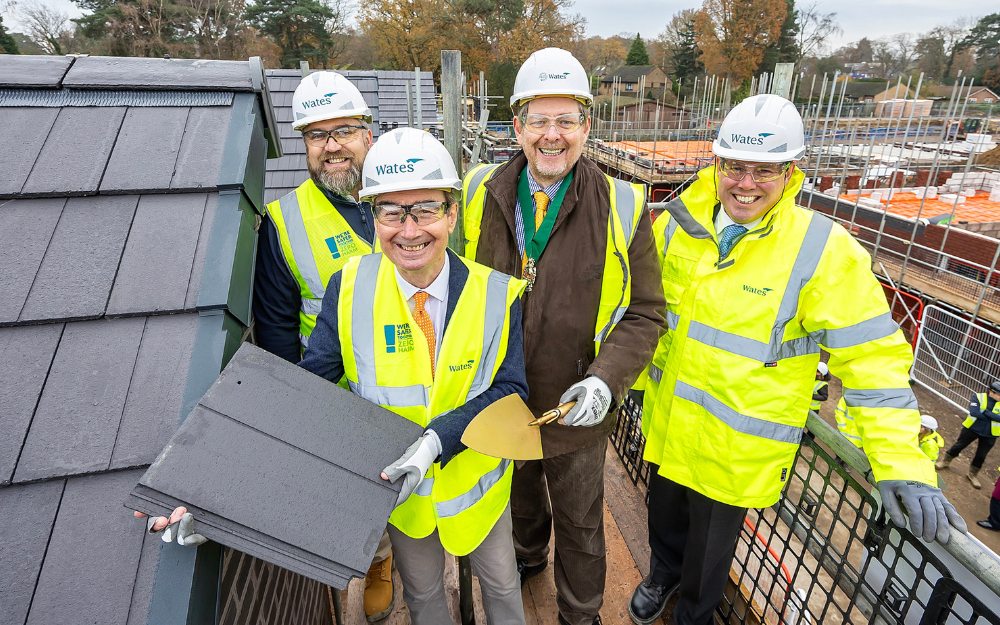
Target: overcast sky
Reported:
[(858, 18)]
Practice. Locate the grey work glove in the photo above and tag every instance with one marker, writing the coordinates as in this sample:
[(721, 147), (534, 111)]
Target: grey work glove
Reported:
[(183, 530), (593, 399), (413, 464), (928, 509)]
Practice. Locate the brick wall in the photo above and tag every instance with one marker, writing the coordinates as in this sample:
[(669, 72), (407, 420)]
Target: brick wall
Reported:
[(254, 592)]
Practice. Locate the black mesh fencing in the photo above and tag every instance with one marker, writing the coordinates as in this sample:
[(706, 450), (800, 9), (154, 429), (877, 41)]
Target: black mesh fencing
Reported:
[(824, 553)]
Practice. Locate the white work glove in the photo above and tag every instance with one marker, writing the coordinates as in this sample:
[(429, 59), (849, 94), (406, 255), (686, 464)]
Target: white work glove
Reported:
[(593, 398), (182, 529), (928, 509), (413, 464)]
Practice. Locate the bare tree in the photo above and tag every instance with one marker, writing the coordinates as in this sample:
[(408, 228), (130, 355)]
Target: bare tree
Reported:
[(815, 29), (48, 27), (905, 49)]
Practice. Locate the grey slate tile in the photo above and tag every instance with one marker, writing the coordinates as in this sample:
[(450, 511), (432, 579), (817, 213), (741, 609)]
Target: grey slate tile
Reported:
[(25, 355), (24, 133), (144, 577), (156, 393), (21, 71), (74, 155), (207, 220), (155, 268), (28, 513), (90, 568), (79, 267), (201, 150), (78, 415), (102, 72), (146, 150), (20, 255)]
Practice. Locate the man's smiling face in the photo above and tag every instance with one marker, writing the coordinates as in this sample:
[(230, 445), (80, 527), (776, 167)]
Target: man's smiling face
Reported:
[(551, 155), (746, 200)]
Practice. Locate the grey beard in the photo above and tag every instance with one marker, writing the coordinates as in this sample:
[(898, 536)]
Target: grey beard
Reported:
[(339, 183)]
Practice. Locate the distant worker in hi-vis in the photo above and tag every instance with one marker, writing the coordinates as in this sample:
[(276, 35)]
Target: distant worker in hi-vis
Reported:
[(983, 425)]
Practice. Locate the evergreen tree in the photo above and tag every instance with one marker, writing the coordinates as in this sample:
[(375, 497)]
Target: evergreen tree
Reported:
[(297, 26), (685, 55), (7, 43), (637, 54), (785, 49)]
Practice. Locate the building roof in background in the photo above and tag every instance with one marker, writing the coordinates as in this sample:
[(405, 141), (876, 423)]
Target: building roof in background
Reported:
[(629, 73), (127, 193)]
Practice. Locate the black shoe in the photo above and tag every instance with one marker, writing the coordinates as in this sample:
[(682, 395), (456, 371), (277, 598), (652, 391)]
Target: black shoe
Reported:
[(597, 620), (527, 572), (988, 525), (648, 601)]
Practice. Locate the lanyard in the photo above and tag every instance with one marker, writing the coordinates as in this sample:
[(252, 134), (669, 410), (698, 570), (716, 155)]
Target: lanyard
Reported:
[(535, 242)]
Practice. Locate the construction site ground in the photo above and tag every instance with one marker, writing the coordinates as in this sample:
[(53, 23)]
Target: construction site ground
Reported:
[(626, 540)]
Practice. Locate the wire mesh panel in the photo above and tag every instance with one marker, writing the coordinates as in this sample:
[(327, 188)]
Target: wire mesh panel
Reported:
[(953, 604), (628, 441), (955, 358)]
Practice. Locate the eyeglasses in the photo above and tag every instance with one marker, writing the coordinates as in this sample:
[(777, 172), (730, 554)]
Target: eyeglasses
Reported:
[(735, 170), (565, 124), (343, 134), (423, 213)]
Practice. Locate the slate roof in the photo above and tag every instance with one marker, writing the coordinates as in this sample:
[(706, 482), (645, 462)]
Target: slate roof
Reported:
[(629, 73), (128, 195), (385, 93)]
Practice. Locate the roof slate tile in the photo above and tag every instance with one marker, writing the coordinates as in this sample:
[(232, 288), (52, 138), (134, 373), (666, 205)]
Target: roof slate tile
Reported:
[(146, 150), (76, 151), (24, 133), (78, 415), (90, 568), (28, 514), (143, 589), (20, 255), (79, 267), (201, 150), (156, 392), (155, 269), (33, 71), (105, 72), (198, 268), (26, 355)]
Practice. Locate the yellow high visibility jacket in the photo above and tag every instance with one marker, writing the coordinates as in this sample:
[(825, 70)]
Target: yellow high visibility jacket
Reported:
[(931, 445), (316, 241), (386, 361), (994, 425), (730, 383), (845, 422), (816, 404), (626, 209)]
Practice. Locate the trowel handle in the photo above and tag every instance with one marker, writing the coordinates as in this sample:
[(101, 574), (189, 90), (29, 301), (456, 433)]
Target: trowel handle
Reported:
[(558, 412)]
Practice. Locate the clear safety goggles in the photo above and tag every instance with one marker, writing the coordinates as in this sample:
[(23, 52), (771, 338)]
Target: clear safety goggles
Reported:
[(764, 172)]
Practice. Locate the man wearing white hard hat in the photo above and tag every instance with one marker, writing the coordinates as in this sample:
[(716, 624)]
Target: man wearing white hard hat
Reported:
[(930, 441), (593, 311), (755, 287), (821, 387), (307, 236), (436, 339)]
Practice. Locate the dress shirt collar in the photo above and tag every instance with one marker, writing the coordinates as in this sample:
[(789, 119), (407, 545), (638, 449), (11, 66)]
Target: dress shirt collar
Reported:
[(437, 289), (722, 219)]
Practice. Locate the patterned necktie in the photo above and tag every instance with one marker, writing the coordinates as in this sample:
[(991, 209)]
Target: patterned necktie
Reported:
[(541, 207), (424, 323), (730, 234)]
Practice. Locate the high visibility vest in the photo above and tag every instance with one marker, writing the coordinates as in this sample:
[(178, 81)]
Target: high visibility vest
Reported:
[(845, 423), (627, 202), (994, 425), (815, 403), (316, 241), (931, 445), (729, 384), (386, 361)]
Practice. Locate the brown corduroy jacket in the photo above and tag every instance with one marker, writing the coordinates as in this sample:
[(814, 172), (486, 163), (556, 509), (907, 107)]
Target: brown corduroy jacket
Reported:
[(560, 313)]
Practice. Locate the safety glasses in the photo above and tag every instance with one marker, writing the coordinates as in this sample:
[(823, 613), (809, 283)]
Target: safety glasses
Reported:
[(765, 172), (423, 213), (343, 134), (564, 124)]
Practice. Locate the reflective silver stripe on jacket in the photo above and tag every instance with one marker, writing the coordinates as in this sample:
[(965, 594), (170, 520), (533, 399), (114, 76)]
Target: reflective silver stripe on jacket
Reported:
[(673, 320), (901, 398), (655, 373), (311, 306), (477, 181), (741, 423), (625, 207), (302, 254), (679, 212), (496, 316), (466, 500), (424, 487), (669, 234), (870, 330), (304, 340), (750, 348)]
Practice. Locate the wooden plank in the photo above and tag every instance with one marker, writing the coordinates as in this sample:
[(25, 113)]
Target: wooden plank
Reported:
[(627, 503)]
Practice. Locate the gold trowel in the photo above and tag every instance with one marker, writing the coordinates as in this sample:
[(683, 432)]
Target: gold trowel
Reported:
[(502, 430)]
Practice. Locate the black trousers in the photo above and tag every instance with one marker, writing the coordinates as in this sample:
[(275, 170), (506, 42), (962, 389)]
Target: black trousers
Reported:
[(965, 438), (692, 540), (994, 512)]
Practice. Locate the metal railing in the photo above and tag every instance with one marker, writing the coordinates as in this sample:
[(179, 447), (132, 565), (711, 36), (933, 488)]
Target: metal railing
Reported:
[(826, 551)]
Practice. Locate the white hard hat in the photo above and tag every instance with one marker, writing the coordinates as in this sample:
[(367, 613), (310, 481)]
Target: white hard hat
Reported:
[(928, 422), (552, 72), (407, 159), (327, 95), (764, 129), (822, 368)]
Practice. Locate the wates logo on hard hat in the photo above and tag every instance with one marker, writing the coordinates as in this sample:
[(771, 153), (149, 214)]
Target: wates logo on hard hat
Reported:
[(329, 95), (324, 101), (544, 76), (397, 168), (749, 139)]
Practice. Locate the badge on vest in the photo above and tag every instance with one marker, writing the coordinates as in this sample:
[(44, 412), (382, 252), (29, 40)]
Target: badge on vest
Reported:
[(342, 244), (784, 474), (398, 338)]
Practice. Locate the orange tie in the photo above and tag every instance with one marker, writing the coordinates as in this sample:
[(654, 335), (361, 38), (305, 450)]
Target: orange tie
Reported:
[(541, 207), (424, 323)]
